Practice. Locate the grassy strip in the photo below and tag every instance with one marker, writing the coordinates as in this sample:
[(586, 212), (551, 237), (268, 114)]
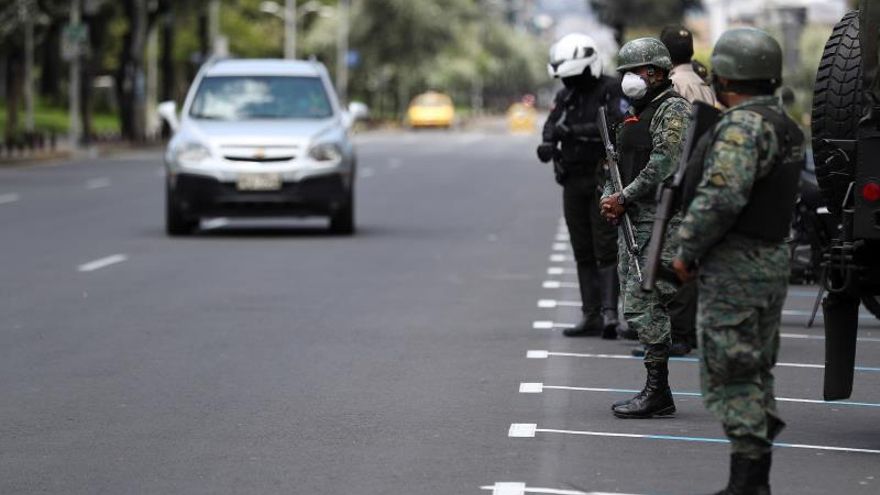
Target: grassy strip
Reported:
[(55, 119)]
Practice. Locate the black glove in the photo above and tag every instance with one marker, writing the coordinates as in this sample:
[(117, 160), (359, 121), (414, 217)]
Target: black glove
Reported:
[(561, 131), (545, 152)]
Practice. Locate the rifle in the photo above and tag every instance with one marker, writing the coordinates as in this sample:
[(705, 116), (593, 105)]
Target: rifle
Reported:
[(702, 116), (626, 225)]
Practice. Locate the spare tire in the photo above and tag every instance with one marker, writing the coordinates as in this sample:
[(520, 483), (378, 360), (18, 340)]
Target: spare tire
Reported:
[(837, 108)]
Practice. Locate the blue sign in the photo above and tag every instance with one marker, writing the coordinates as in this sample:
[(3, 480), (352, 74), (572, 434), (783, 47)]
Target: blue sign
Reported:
[(353, 58)]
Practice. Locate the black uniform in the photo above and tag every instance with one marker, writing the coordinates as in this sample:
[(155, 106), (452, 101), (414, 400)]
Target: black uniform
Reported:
[(572, 130)]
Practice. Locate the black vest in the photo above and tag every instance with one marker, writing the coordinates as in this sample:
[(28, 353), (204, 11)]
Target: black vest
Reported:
[(634, 141), (767, 216)]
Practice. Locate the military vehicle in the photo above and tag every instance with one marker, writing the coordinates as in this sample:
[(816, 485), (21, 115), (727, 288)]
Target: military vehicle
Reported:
[(846, 146)]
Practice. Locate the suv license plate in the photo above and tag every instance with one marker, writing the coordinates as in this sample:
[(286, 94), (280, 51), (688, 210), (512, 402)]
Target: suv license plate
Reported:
[(259, 182)]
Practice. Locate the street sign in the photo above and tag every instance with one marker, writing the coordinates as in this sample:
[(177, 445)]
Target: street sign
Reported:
[(74, 39), (353, 58)]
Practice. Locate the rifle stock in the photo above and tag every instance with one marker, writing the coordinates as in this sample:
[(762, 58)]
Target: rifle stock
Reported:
[(702, 115)]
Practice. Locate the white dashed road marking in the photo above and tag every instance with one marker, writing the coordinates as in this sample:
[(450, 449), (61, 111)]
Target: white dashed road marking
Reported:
[(537, 388), (556, 284), (98, 183), (542, 354), (529, 430), (559, 258), (558, 270), (516, 488), (7, 198), (560, 246), (102, 263)]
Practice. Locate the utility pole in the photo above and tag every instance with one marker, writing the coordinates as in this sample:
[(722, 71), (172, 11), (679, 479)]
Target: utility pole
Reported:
[(290, 29), (342, 51), (27, 16), (75, 69), (219, 43)]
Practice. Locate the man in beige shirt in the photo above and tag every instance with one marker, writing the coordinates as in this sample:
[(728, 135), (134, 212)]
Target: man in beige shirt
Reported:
[(687, 83)]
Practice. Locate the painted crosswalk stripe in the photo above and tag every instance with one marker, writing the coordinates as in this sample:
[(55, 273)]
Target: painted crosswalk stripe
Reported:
[(537, 388), (560, 246), (542, 354), (102, 263), (530, 430), (807, 314)]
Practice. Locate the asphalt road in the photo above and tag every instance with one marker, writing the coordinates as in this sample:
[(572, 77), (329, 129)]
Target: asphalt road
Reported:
[(270, 357)]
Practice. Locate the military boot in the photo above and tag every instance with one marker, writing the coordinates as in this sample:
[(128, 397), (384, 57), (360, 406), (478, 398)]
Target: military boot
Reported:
[(589, 326), (609, 286), (748, 476), (591, 322), (654, 400)]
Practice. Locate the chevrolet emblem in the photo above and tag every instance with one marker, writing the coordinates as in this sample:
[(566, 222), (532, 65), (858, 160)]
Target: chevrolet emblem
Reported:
[(260, 153)]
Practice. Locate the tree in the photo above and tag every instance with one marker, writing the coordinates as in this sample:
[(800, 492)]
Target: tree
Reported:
[(619, 13)]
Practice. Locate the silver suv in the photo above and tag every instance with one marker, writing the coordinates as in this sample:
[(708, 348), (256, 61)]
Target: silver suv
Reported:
[(259, 138)]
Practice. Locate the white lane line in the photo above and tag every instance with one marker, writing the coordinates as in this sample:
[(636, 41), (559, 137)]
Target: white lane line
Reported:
[(558, 270), (542, 354), (530, 430), (7, 198), (563, 238), (99, 183), (804, 336), (553, 303), (807, 314), (560, 246), (537, 388), (102, 263), (517, 488), (556, 284), (215, 223), (560, 258)]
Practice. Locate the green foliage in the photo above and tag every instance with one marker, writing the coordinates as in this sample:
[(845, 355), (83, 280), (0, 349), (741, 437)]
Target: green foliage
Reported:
[(57, 119)]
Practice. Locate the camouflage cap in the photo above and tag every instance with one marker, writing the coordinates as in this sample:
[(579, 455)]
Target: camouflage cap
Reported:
[(747, 54), (644, 51)]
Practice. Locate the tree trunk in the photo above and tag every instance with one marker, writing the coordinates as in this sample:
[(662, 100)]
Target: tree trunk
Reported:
[(167, 86), (130, 78), (97, 24), (51, 69), (14, 92)]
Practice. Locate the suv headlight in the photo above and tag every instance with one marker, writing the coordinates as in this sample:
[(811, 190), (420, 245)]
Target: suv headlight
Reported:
[(192, 152), (326, 152)]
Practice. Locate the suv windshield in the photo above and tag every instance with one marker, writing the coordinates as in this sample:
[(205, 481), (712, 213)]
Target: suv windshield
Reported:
[(261, 97)]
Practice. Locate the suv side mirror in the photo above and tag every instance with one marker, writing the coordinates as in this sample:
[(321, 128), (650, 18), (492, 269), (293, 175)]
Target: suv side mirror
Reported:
[(358, 110), (168, 111)]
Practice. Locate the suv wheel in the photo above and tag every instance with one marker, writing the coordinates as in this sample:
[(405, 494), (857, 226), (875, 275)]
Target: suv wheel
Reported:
[(342, 220), (176, 222)]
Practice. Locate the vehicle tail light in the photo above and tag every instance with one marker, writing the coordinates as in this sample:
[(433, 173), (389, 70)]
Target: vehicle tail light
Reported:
[(871, 191)]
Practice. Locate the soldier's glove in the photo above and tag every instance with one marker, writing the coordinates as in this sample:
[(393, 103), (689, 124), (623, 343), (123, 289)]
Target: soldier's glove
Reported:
[(546, 151)]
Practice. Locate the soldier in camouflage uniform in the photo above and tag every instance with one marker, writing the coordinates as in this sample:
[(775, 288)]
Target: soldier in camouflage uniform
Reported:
[(735, 228), (649, 143)]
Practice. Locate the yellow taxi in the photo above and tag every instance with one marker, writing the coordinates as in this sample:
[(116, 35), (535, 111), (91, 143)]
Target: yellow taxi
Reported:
[(431, 109), (521, 118)]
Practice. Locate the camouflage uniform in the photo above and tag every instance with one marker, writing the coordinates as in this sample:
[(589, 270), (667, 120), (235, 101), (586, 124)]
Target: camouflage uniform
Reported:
[(742, 281), (647, 312)]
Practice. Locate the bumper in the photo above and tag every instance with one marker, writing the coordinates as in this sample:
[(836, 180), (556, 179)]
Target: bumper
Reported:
[(199, 195)]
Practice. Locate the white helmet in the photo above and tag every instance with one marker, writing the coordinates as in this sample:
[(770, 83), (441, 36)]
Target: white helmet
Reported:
[(572, 54)]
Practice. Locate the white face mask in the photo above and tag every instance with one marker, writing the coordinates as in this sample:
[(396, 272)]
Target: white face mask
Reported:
[(633, 86)]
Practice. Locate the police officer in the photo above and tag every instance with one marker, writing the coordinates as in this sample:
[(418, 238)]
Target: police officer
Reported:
[(649, 144), (571, 139), (680, 43), (735, 229)]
